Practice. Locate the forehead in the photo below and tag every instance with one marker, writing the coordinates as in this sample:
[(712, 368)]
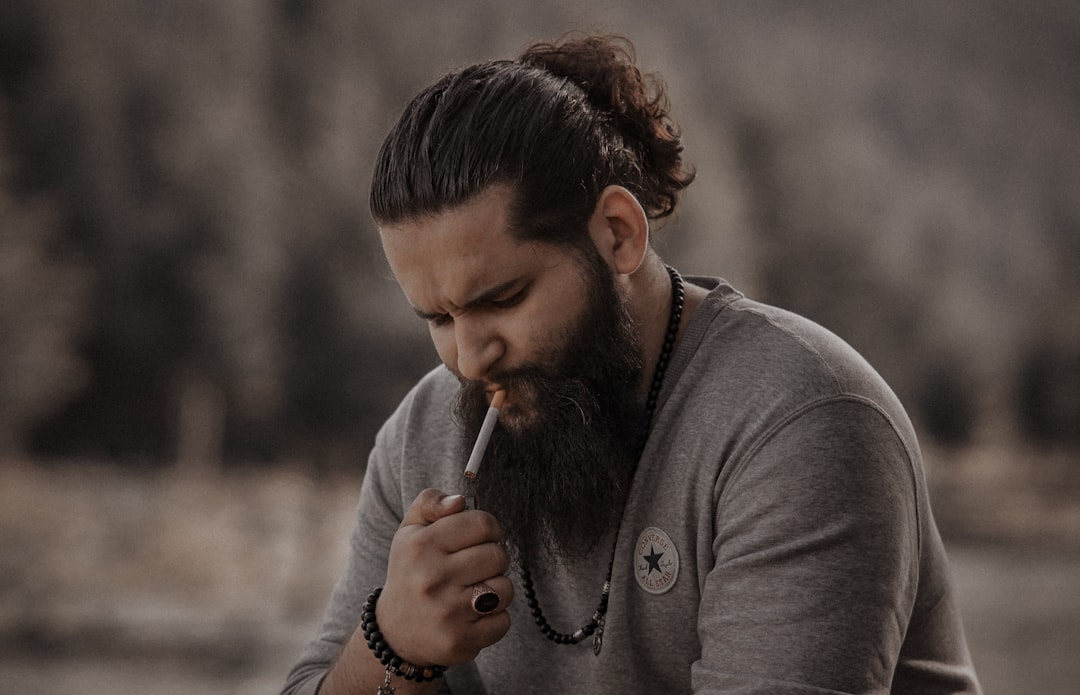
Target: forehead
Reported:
[(446, 258)]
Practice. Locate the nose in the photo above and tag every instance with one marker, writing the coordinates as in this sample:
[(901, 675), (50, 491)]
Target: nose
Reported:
[(478, 346)]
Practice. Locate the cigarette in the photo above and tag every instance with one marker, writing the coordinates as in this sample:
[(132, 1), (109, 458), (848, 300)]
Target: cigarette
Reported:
[(482, 439)]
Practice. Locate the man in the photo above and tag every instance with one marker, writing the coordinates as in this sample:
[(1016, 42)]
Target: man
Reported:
[(686, 491)]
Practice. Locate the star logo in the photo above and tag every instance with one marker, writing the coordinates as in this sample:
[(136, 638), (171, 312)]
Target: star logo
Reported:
[(653, 558), (656, 561)]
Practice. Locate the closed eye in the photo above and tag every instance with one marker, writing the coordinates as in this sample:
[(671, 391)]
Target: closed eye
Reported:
[(434, 318), (486, 301), (511, 301), (438, 320), (442, 319)]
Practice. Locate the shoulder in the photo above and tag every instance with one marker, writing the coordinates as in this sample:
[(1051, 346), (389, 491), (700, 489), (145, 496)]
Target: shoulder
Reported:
[(768, 354), (419, 444), (428, 406), (752, 374)]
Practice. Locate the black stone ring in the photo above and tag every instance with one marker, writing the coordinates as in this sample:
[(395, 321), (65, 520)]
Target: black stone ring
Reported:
[(484, 599)]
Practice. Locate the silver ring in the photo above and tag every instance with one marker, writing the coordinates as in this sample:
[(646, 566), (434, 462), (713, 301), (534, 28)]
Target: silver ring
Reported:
[(484, 599)]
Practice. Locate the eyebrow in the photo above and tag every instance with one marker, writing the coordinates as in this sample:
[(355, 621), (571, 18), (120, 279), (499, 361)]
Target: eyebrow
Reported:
[(488, 296)]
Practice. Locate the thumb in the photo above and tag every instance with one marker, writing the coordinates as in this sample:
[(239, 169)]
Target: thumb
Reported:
[(430, 506)]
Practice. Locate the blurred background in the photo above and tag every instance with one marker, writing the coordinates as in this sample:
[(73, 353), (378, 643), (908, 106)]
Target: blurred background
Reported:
[(199, 336)]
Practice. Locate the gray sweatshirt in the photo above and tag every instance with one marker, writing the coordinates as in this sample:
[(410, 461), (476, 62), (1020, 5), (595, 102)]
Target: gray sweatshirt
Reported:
[(777, 539)]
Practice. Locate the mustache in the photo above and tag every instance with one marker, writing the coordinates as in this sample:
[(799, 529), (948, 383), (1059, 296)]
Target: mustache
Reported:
[(508, 378), (550, 386), (528, 378)]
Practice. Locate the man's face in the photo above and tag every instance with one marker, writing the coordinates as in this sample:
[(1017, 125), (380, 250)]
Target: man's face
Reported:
[(493, 303), (549, 326)]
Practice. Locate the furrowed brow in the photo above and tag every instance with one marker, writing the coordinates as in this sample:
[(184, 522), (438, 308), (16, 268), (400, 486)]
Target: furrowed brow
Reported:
[(488, 296), (492, 294)]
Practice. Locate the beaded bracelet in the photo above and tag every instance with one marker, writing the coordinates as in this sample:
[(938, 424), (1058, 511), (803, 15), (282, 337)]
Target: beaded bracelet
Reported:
[(386, 656)]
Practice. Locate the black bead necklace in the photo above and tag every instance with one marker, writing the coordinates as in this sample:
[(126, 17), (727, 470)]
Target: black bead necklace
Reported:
[(595, 626)]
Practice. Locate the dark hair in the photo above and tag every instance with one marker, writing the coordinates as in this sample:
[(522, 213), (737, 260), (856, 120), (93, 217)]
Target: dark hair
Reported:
[(558, 125)]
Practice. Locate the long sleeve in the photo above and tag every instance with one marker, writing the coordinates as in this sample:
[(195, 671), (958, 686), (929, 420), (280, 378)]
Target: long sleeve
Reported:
[(817, 552), (379, 514)]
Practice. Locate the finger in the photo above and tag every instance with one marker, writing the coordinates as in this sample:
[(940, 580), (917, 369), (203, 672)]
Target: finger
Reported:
[(462, 530), (489, 629), (474, 635), (430, 506), (477, 562)]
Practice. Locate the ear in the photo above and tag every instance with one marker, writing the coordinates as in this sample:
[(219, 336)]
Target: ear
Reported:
[(620, 229)]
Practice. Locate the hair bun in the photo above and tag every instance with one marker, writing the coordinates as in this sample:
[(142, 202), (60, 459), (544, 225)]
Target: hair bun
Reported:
[(636, 105)]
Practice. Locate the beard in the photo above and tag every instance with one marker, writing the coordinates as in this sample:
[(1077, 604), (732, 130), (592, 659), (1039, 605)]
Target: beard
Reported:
[(557, 480)]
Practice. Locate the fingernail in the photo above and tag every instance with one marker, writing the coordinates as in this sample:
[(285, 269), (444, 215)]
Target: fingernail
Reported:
[(450, 500)]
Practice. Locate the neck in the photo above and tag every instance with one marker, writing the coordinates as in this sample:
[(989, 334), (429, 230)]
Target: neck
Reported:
[(650, 304)]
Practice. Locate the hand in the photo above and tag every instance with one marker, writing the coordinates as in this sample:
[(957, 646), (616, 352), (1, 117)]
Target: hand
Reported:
[(438, 553)]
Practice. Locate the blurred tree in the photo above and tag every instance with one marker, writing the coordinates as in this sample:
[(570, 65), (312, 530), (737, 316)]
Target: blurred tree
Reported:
[(189, 269), (204, 180), (945, 402), (42, 316), (42, 284), (1047, 388)]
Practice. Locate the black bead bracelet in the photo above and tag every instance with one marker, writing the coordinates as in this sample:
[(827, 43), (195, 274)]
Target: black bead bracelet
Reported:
[(386, 656)]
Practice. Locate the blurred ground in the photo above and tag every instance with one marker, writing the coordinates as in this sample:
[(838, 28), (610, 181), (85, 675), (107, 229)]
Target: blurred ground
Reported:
[(1022, 615), (167, 583), (161, 584)]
